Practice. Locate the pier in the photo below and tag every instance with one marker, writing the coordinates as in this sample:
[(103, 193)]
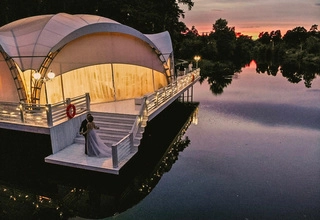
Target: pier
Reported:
[(73, 64), (131, 115)]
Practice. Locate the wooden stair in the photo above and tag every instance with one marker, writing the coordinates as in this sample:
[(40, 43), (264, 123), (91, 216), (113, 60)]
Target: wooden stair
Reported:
[(114, 126)]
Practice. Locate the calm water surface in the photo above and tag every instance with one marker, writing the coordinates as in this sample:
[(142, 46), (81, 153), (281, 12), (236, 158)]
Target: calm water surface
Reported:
[(254, 154)]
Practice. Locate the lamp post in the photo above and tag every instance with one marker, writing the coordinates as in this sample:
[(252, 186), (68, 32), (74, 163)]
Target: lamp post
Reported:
[(48, 77), (197, 58)]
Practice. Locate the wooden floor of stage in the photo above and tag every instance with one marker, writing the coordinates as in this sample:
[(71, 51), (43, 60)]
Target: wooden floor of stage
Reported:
[(74, 156)]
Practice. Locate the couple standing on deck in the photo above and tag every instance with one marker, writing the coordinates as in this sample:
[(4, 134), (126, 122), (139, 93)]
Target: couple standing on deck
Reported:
[(94, 146)]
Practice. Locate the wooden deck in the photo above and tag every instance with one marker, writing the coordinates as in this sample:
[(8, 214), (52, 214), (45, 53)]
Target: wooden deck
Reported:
[(67, 152), (74, 156)]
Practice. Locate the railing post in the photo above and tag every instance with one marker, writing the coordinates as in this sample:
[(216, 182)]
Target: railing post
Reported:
[(49, 115), (88, 101), (165, 93), (115, 156), (68, 101), (157, 96), (131, 141), (145, 98), (21, 107)]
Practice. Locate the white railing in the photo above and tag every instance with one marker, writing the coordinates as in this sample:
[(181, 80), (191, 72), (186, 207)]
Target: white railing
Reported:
[(125, 146), (148, 103), (41, 115), (154, 100), (122, 149), (51, 114)]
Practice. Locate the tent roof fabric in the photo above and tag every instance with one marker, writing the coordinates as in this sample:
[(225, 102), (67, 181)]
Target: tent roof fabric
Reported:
[(28, 41)]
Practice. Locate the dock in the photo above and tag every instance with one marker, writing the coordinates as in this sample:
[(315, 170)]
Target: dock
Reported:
[(74, 156), (68, 145)]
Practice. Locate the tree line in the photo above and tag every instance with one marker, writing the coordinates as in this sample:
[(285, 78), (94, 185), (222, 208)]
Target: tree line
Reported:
[(144, 15), (222, 51), (296, 54)]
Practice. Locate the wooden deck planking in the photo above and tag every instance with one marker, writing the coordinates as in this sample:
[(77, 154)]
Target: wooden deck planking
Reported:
[(74, 156)]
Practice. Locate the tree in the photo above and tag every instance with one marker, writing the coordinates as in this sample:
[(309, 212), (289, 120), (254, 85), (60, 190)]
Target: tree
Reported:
[(296, 37), (146, 16), (243, 51), (143, 15), (264, 38), (225, 38)]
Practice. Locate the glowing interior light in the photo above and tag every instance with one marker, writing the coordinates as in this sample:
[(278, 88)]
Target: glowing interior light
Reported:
[(51, 75), (36, 75)]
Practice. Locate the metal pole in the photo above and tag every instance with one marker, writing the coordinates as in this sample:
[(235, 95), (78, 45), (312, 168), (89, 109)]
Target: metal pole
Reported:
[(113, 83), (114, 156), (45, 90), (49, 115), (88, 101)]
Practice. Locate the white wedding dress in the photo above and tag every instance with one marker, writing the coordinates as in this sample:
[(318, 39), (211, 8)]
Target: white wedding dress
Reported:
[(96, 147)]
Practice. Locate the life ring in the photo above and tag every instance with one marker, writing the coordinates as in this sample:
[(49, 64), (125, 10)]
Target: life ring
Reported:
[(192, 78), (71, 113)]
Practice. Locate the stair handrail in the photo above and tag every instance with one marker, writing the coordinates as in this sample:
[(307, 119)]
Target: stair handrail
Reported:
[(149, 102), (128, 140), (124, 145)]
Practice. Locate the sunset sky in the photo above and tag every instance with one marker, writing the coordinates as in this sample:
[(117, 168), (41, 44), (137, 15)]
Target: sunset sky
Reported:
[(250, 17)]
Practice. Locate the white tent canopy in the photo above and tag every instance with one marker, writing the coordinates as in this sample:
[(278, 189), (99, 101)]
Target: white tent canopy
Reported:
[(28, 41), (79, 41)]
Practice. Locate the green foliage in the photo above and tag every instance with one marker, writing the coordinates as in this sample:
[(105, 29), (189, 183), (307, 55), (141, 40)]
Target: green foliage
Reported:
[(225, 38), (218, 74), (144, 15), (295, 37), (296, 54)]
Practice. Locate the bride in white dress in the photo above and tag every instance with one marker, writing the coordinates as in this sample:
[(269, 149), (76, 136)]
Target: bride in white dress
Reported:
[(96, 147)]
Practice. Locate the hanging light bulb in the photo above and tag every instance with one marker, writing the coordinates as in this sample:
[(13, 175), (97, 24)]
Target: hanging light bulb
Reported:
[(36, 75), (51, 75)]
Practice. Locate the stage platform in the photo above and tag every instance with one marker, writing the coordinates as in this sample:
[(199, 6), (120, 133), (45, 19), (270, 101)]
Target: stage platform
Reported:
[(124, 107), (74, 156)]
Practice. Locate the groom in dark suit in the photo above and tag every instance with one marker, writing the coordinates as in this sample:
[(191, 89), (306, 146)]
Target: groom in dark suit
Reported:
[(83, 128)]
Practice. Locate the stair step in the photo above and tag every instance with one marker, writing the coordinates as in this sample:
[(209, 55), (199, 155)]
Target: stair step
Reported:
[(109, 114), (114, 127), (124, 117), (110, 140), (113, 131)]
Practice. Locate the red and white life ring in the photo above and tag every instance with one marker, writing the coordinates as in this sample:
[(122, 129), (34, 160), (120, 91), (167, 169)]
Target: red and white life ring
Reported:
[(192, 78), (71, 111)]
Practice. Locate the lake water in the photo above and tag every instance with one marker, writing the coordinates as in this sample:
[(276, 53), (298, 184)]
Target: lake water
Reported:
[(254, 153)]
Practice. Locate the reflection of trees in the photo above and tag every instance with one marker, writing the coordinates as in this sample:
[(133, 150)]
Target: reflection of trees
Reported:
[(296, 71), (218, 74), (294, 68), (62, 192), (224, 52), (290, 70), (271, 68), (295, 55)]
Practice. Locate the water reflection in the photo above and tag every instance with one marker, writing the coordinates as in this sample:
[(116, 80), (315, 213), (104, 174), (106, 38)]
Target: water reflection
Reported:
[(294, 70), (54, 192), (219, 74)]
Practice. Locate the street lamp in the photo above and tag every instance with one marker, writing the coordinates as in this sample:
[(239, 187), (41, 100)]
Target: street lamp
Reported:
[(197, 58), (50, 76)]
